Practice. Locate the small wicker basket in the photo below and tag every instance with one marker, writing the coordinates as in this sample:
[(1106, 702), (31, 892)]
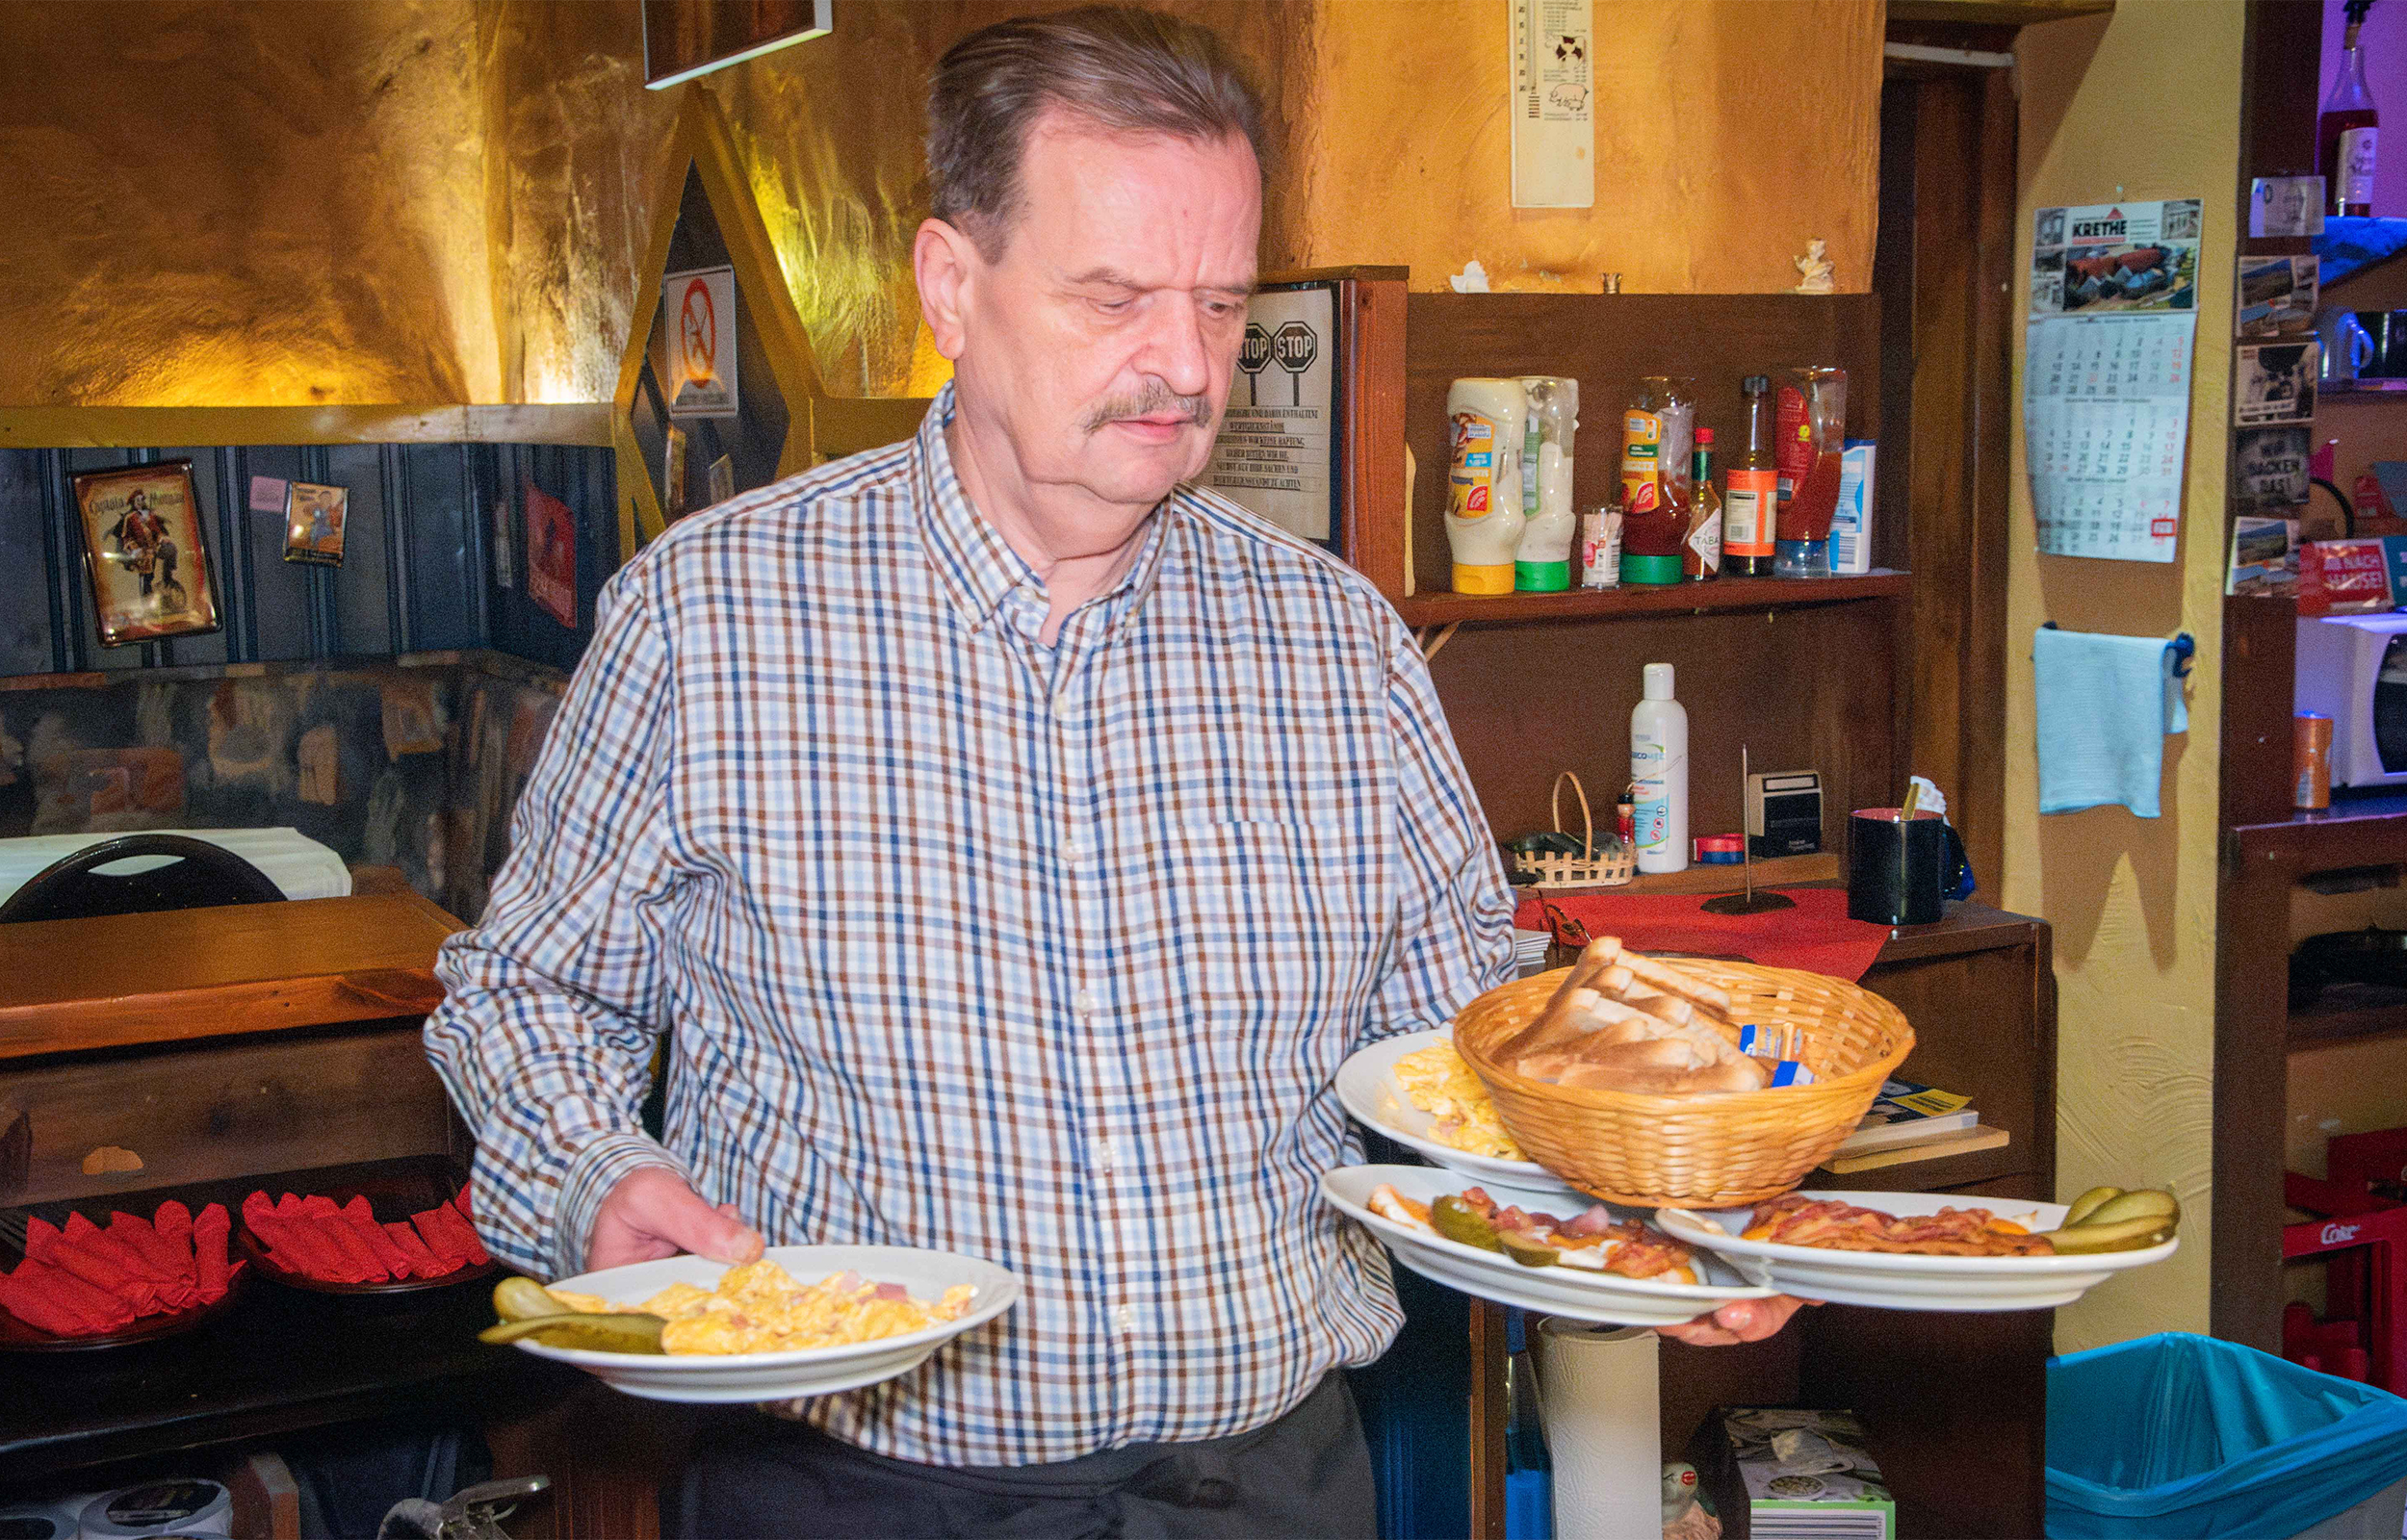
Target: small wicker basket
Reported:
[(1615, 867), (1711, 1151)]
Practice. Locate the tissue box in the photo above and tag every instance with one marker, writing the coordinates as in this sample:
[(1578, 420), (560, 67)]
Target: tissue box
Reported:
[(1806, 1476)]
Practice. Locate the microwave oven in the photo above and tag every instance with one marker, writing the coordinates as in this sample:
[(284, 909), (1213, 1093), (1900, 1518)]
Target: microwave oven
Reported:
[(2353, 668)]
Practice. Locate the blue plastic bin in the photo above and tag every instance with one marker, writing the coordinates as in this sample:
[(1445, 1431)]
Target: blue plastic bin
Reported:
[(2176, 1435)]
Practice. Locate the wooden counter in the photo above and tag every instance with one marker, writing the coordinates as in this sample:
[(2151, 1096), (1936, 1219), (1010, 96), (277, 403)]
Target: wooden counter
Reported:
[(124, 980)]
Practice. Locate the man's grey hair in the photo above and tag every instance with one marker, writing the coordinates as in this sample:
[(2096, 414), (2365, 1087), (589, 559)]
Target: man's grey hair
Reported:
[(1117, 67)]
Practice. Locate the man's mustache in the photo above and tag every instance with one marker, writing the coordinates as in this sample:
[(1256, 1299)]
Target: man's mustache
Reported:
[(1157, 401)]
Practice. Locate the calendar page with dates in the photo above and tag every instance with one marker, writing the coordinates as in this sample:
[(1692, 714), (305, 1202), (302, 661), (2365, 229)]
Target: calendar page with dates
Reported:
[(2106, 376)]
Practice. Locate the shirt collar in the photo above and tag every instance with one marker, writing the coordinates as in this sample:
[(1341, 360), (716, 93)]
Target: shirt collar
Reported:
[(975, 564)]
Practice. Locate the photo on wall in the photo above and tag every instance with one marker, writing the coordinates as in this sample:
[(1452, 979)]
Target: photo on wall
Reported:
[(313, 524), (144, 552), (2274, 382)]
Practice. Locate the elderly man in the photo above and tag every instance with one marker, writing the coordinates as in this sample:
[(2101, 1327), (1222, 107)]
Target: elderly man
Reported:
[(1016, 839)]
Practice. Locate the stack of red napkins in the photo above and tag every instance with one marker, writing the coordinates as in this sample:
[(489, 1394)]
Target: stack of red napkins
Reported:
[(83, 1280), (315, 1238)]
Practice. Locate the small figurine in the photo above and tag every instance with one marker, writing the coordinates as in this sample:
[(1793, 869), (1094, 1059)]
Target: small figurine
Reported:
[(1684, 1517), (1816, 268)]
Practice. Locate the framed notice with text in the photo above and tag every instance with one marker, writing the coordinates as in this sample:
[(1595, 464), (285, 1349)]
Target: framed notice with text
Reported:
[(1313, 437), (699, 321), (1280, 450)]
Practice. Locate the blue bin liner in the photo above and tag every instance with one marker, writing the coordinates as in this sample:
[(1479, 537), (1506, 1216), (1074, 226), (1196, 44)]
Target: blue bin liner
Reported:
[(2177, 1435)]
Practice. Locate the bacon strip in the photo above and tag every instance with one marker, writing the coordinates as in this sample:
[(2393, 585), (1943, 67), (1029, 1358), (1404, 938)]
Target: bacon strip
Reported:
[(1794, 1220)]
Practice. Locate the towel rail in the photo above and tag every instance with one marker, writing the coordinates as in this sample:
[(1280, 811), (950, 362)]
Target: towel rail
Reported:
[(2184, 649)]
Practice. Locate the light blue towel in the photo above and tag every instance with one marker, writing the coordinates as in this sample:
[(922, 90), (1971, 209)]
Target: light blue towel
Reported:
[(2105, 704)]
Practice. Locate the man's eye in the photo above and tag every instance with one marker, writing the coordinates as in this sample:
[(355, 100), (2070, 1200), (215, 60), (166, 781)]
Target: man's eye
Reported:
[(1114, 307), (1221, 309)]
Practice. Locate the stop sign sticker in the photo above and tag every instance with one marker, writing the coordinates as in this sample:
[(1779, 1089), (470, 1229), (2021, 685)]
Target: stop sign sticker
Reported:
[(1297, 344), (1254, 353)]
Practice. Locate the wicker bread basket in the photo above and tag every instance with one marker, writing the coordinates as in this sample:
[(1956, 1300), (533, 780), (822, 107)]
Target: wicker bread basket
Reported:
[(1722, 1150)]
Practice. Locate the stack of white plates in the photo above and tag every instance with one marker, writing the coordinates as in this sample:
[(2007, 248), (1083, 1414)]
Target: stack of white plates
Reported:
[(1529, 951)]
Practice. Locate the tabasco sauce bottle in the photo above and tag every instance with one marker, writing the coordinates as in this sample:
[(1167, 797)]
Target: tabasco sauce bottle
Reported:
[(1751, 490), (1701, 555)]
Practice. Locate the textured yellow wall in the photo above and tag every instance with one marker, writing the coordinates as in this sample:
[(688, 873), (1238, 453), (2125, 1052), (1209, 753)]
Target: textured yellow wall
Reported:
[(1728, 134), (2142, 105), (438, 201), (231, 204)]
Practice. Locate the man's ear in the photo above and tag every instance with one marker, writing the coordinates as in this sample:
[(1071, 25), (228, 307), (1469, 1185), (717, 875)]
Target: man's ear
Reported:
[(944, 260)]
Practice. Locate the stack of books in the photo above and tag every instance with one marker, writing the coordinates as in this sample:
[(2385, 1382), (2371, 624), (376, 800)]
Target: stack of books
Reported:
[(1911, 1122)]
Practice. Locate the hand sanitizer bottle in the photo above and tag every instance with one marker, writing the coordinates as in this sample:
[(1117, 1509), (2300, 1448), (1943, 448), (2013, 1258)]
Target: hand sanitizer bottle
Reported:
[(1658, 771)]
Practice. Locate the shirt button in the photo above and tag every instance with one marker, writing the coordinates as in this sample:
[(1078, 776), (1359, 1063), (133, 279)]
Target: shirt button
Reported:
[(1105, 1156), (1125, 1318), (1072, 848), (1084, 1003)]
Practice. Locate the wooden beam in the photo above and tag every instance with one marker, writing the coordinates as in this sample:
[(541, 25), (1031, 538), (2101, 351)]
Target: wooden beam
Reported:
[(75, 428)]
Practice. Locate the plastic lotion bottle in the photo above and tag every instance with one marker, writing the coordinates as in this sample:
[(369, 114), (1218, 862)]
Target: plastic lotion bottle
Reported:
[(1658, 770)]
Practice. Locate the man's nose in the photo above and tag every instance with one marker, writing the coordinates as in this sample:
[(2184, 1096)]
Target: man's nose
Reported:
[(1174, 352)]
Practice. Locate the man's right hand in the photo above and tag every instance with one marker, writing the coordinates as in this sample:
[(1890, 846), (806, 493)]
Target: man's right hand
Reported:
[(653, 1213)]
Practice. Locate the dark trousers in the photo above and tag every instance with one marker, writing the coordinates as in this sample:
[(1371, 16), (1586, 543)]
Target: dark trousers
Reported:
[(1306, 1475)]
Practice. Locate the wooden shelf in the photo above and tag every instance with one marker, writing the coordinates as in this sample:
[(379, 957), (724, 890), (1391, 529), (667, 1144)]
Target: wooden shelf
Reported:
[(1778, 871), (1446, 609), (2351, 1013)]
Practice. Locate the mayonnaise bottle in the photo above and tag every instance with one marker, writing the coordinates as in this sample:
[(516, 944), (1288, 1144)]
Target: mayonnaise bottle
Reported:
[(1486, 420), (1543, 562)]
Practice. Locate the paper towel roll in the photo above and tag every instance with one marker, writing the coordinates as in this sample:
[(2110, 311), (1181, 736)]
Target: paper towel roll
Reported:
[(1597, 1389)]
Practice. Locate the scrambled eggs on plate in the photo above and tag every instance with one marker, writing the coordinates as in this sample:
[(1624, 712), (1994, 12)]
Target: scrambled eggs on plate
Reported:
[(760, 1308), (1435, 1080)]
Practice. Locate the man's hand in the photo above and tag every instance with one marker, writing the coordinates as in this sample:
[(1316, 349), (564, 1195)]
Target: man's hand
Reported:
[(1739, 1320), (653, 1213)]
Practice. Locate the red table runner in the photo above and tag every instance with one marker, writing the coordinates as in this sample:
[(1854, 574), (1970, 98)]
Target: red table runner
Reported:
[(1816, 937)]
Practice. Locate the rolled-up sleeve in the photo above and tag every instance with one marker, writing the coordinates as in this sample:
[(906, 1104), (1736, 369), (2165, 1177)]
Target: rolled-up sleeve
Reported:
[(554, 1002), (1454, 913)]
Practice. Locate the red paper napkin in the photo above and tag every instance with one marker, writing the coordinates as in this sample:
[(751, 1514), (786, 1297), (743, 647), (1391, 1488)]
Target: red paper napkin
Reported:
[(83, 1280), (314, 1237), (1816, 937)]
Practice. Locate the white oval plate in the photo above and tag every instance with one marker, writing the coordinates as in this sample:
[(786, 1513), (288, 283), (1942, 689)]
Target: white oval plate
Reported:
[(1366, 1085), (806, 1372), (1577, 1293), (1906, 1280)]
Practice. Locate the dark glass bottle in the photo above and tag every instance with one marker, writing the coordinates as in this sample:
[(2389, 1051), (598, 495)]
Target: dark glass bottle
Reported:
[(2348, 128)]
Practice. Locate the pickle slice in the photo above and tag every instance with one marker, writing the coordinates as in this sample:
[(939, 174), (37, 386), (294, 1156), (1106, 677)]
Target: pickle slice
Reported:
[(2089, 1202), (2136, 1206), (2124, 1234), (630, 1333), (522, 1299), (1529, 1253), (1456, 1221)]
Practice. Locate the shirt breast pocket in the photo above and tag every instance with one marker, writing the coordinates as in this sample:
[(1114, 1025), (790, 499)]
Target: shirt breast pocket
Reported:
[(1282, 923)]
